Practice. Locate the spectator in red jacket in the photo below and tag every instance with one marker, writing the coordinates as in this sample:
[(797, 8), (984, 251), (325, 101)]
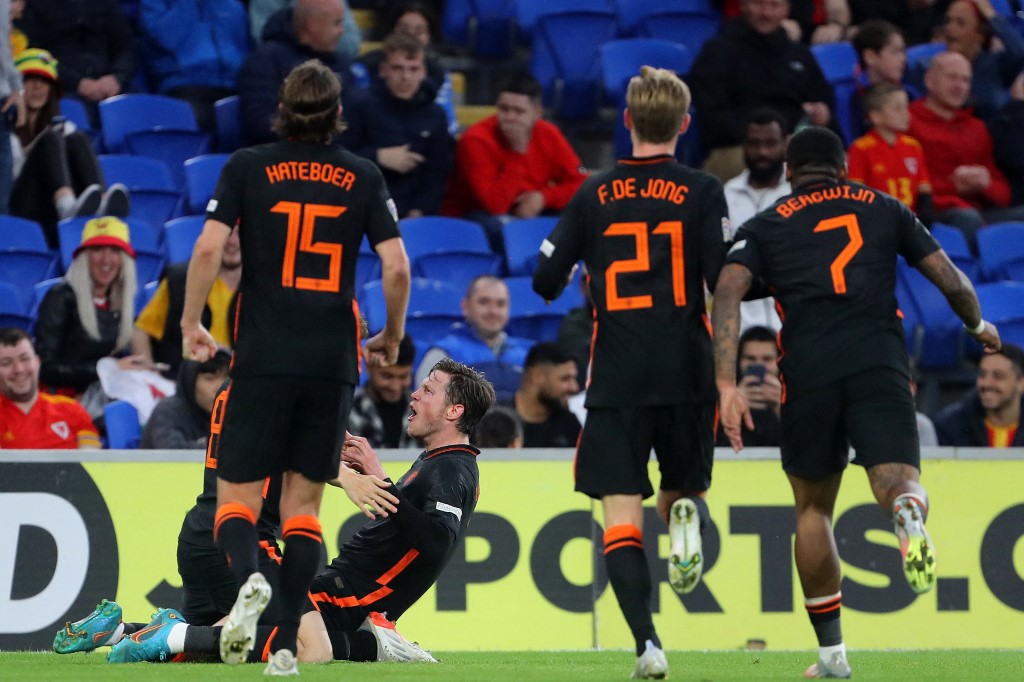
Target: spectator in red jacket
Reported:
[(969, 190), (512, 164)]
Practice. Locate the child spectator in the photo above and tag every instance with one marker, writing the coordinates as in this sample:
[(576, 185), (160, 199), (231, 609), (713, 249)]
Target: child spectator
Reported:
[(888, 159)]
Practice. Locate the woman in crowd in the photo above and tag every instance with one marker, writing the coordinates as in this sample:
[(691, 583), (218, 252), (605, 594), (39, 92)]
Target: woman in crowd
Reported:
[(90, 314), (56, 172)]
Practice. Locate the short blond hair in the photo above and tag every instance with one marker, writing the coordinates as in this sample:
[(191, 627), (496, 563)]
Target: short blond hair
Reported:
[(658, 101)]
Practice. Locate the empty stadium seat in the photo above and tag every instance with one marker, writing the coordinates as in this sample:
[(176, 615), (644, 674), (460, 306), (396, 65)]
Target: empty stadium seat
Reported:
[(433, 308), (838, 61), (201, 176), (631, 13), (24, 256), (153, 192), (522, 243), (125, 114), (229, 125), (1002, 304), (123, 428), (14, 311), (954, 243), (180, 237), (1001, 251), (530, 316), (449, 249), (485, 28), (942, 332)]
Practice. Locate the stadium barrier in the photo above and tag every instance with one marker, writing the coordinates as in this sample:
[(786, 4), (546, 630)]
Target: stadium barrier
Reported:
[(80, 526)]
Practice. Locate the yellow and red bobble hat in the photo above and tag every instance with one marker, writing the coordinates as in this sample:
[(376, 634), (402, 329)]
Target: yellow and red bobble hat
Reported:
[(36, 62), (106, 231)]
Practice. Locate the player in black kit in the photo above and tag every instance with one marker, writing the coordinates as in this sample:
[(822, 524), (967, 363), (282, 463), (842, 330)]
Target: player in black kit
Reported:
[(828, 254), (651, 234), (392, 560), (302, 207)]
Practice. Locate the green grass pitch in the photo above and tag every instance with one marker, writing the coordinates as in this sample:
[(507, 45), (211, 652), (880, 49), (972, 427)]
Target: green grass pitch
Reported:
[(545, 666)]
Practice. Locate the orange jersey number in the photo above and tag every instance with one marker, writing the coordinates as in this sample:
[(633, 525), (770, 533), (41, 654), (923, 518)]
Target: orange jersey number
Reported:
[(642, 263), (838, 267), (301, 223)]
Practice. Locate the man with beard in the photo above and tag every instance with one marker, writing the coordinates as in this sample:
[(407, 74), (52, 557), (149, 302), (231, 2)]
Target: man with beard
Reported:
[(380, 409), (755, 189), (157, 334), (989, 416), (30, 419), (542, 400)]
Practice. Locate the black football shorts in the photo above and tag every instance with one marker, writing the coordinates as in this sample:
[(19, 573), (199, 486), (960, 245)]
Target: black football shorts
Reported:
[(871, 412), (616, 445), (272, 424)]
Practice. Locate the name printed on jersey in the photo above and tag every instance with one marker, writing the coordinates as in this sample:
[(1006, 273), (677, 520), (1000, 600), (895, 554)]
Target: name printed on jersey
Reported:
[(657, 188), (455, 511)]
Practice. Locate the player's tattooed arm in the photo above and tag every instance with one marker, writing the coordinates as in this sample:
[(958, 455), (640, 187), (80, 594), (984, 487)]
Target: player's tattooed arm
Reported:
[(733, 283), (953, 284)]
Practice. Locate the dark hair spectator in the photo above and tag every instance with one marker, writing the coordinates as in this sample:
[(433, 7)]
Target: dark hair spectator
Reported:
[(499, 428)]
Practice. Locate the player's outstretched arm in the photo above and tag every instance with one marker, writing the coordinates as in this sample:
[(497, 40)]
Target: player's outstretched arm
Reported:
[(960, 294), (733, 283), (382, 349)]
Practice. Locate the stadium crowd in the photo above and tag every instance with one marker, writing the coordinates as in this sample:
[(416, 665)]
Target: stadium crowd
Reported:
[(915, 81)]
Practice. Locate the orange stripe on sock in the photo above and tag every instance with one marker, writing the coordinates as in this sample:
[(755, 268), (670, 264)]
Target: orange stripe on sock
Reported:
[(623, 535), (232, 510), (825, 606), (265, 656), (305, 523)]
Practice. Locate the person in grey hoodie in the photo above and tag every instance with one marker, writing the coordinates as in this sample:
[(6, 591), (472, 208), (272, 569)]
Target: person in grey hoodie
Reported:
[(182, 421)]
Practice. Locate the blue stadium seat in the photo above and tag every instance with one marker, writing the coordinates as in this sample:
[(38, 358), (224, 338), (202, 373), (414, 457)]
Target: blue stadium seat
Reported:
[(14, 311), (201, 176), (631, 13), (74, 111), (485, 28), (180, 237), (529, 12), (1002, 304), (144, 295), (530, 317), (942, 332), (1001, 251), (123, 428), (149, 257), (919, 56), (24, 256), (173, 147), (367, 265), (154, 195), (954, 243), (229, 126), (522, 242), (448, 249), (838, 61), (622, 59), (39, 291), (132, 113), (565, 59), (692, 29), (433, 308)]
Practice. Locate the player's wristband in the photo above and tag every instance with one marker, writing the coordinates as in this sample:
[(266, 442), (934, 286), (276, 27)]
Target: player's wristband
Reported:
[(976, 330)]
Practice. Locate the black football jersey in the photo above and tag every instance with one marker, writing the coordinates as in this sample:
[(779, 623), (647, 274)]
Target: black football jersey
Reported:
[(302, 211), (828, 253), (652, 232), (379, 559)]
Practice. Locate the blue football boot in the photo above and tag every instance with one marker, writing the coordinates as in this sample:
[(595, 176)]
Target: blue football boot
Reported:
[(149, 643), (91, 632)]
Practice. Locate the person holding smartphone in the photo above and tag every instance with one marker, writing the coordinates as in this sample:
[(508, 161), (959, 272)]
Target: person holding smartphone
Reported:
[(758, 374)]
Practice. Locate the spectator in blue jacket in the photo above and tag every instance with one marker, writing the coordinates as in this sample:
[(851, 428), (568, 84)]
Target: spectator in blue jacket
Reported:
[(260, 12), (92, 41), (193, 50), (396, 124), (310, 30), (482, 342)]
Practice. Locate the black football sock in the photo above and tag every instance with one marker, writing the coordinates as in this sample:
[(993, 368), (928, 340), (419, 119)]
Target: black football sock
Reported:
[(234, 530), (303, 541), (202, 639), (824, 614), (353, 646), (631, 580)]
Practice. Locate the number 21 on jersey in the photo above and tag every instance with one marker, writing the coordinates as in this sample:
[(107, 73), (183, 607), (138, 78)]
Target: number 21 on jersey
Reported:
[(642, 263), (301, 223)]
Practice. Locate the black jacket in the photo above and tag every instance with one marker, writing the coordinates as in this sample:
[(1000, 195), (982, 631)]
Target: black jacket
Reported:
[(376, 119), (740, 70), (963, 424), (177, 422), (89, 38), (263, 71), (67, 353)]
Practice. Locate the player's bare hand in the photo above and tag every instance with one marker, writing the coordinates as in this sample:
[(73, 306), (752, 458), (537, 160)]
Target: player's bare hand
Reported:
[(197, 343), (381, 350), (400, 159), (989, 338), (358, 454), (528, 204), (368, 492), (734, 413)]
